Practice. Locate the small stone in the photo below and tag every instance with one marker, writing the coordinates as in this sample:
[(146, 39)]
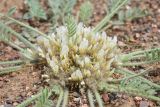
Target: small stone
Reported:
[(13, 74), (121, 43), (34, 74), (1, 84), (15, 104), (1, 78), (23, 94), (8, 48), (45, 76), (75, 94), (137, 35), (27, 88), (144, 104), (6, 80), (138, 98), (84, 105), (29, 93), (76, 99), (7, 105), (105, 97), (154, 25)]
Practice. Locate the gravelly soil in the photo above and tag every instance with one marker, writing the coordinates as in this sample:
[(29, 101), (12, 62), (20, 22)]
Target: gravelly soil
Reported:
[(138, 34)]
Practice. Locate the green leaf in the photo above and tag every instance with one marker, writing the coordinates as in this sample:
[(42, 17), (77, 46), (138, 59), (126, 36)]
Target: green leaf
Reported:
[(153, 55), (61, 6), (69, 6), (60, 9), (71, 25), (134, 13), (35, 9), (43, 100), (56, 89), (121, 16), (108, 17), (11, 11), (86, 11), (4, 33)]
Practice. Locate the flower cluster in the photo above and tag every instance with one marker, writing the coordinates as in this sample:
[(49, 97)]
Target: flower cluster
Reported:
[(85, 54)]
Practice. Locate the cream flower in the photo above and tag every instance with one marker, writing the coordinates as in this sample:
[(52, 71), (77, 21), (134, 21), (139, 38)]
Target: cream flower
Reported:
[(84, 55)]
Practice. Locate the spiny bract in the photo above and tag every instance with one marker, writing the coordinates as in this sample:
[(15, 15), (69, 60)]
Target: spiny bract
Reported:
[(84, 55)]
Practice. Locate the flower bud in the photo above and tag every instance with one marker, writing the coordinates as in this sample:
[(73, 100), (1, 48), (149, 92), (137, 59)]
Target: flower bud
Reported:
[(77, 75)]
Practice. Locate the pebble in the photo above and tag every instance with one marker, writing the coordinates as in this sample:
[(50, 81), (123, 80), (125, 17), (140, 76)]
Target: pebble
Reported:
[(15, 104), (138, 98), (137, 35), (76, 99), (27, 88), (144, 104), (29, 93), (84, 105), (105, 97), (1, 78), (75, 94), (121, 43), (1, 84), (6, 105)]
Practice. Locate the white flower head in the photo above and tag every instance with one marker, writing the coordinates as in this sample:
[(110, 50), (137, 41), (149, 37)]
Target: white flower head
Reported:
[(101, 54), (87, 73), (64, 51), (114, 40), (61, 31), (54, 66), (87, 61), (40, 40), (53, 36), (40, 51), (104, 35), (77, 75), (85, 54), (80, 28), (83, 45)]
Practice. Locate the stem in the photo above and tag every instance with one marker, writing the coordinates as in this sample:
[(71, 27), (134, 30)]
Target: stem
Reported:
[(11, 62), (125, 59), (65, 99), (106, 27), (98, 98), (25, 41), (60, 99), (130, 77), (15, 46), (115, 5), (24, 25), (129, 90), (140, 52), (108, 17), (15, 68), (139, 63), (90, 98), (22, 51), (33, 98), (128, 72), (29, 100), (9, 69)]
